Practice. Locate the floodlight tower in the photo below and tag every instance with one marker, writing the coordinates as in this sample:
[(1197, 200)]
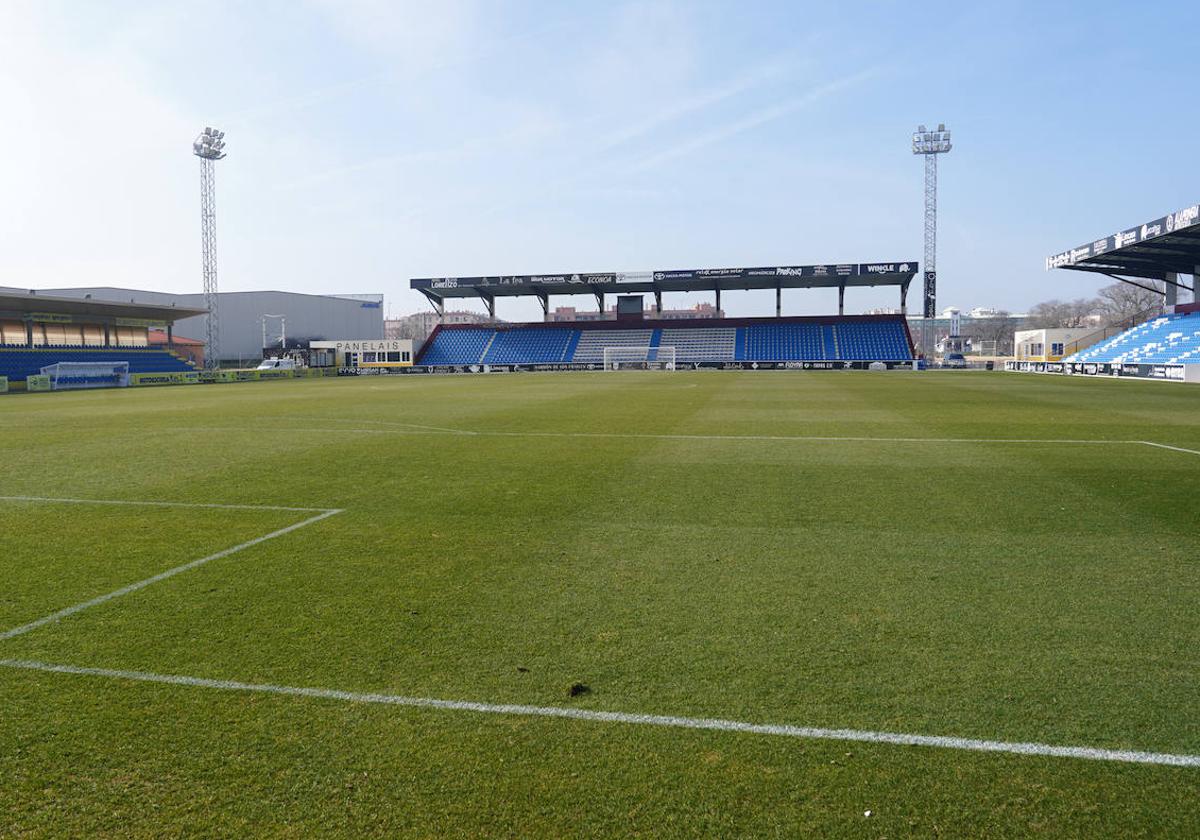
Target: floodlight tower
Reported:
[(930, 144), (209, 148)]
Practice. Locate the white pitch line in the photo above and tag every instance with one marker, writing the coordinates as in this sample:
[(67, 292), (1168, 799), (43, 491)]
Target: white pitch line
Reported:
[(1165, 446), (653, 436), (388, 423), (141, 584), (675, 721), (159, 504)]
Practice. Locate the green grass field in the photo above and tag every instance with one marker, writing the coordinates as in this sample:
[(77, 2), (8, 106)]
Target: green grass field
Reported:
[(862, 551)]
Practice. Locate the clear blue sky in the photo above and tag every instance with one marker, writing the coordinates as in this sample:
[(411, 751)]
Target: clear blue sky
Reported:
[(373, 141)]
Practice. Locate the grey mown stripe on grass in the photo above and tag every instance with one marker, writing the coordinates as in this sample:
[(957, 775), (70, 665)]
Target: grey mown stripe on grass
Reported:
[(716, 724), (141, 584)]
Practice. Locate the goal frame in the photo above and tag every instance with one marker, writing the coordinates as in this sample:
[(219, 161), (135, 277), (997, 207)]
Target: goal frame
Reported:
[(639, 358), (71, 376)]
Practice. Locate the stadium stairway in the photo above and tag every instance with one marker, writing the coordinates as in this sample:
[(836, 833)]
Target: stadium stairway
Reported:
[(1169, 339), (17, 363)]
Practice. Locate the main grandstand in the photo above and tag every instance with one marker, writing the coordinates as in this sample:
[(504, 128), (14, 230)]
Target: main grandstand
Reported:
[(39, 332), (750, 342)]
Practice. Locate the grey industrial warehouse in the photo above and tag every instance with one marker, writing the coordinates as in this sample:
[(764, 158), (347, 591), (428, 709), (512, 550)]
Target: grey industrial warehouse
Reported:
[(307, 317)]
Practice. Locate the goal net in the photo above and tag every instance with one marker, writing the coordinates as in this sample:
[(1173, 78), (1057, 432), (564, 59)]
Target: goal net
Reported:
[(639, 358), (65, 376)]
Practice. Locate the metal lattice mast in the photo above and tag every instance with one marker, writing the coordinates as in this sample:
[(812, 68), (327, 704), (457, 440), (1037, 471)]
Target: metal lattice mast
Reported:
[(930, 144), (208, 147), (931, 226)]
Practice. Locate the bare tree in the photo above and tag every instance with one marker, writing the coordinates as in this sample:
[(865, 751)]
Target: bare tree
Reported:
[(997, 329), (1121, 303), (1052, 314)]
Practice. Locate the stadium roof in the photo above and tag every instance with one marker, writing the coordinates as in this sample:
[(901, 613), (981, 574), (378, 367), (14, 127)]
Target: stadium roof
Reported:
[(22, 302), (1169, 245), (898, 273)]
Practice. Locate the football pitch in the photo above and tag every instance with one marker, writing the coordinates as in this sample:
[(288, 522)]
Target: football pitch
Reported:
[(603, 604)]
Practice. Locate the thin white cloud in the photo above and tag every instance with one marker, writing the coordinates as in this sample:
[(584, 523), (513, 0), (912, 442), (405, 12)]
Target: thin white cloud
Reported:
[(757, 77), (750, 122)]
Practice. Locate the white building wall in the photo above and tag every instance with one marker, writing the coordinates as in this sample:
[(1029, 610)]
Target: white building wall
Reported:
[(309, 317)]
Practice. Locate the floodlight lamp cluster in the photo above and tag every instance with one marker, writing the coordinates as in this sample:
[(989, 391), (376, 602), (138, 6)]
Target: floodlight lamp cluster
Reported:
[(926, 142), (210, 144)]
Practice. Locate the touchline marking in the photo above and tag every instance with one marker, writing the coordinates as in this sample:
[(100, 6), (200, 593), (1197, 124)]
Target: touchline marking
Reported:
[(716, 724), (160, 504), (141, 584), (652, 436)]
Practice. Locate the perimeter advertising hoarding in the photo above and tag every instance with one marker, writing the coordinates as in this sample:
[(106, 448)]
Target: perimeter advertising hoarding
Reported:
[(534, 368), (1166, 373), (189, 377)]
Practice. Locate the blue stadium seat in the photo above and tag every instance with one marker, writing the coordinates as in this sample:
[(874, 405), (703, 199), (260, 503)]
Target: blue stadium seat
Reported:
[(834, 340), (1169, 340), (529, 346), (19, 363), (866, 341), (457, 347)]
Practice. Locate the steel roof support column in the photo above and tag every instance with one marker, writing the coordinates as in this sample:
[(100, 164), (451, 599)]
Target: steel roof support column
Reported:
[(718, 301), (841, 300), (658, 302), (600, 303), (778, 301), (489, 301), (439, 304), (904, 299), (1196, 284), (1171, 294), (544, 299)]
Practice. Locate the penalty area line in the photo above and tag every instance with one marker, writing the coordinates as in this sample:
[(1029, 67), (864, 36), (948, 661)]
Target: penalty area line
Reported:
[(1166, 446), (142, 584), (673, 721)]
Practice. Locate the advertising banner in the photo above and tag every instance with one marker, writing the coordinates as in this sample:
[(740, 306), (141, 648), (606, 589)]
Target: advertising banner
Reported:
[(190, 377), (612, 280), (1165, 373), (1164, 226), (537, 368), (140, 322)]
